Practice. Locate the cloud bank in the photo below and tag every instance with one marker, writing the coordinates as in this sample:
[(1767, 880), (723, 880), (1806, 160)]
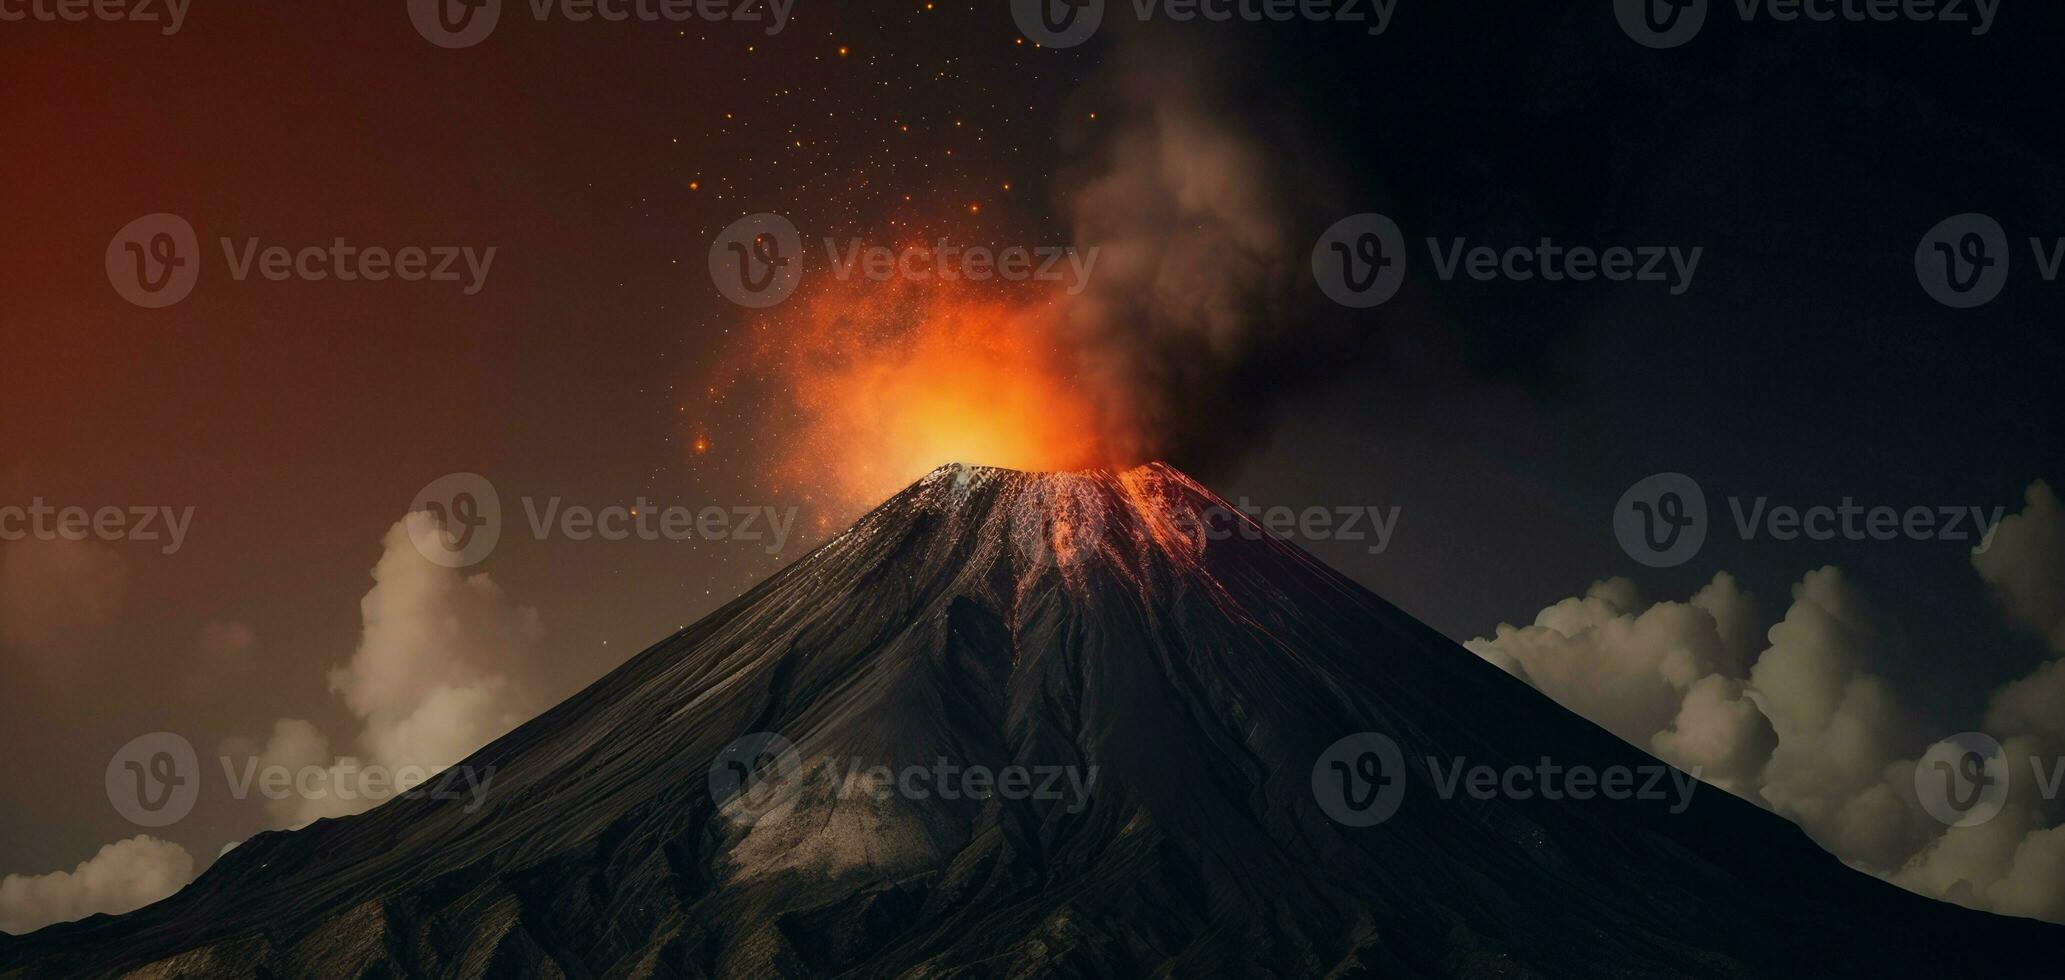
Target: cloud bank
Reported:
[(1799, 723), (125, 876), (440, 671)]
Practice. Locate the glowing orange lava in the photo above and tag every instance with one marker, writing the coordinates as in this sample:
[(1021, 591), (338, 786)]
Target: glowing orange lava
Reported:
[(884, 381)]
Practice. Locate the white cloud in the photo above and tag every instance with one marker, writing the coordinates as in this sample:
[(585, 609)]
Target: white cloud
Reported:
[(1720, 734), (2033, 704), (1840, 728), (1624, 663), (2024, 561), (124, 876), (320, 785), (2035, 882), (1811, 731), (439, 671)]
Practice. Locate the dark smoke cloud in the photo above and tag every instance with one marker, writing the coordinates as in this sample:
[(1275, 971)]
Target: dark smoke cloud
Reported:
[(1203, 199)]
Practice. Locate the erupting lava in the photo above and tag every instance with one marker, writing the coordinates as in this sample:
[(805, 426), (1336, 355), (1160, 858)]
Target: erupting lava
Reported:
[(877, 383)]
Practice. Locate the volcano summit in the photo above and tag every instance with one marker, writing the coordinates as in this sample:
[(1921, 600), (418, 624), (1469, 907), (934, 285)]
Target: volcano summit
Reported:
[(1190, 695)]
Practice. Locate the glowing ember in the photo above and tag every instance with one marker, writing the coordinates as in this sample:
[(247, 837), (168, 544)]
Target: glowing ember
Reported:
[(887, 380)]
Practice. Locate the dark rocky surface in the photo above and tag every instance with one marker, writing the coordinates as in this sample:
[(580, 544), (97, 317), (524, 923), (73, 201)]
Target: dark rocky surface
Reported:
[(997, 618)]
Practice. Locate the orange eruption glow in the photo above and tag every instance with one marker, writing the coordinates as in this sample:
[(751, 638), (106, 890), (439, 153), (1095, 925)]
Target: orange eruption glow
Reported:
[(880, 382)]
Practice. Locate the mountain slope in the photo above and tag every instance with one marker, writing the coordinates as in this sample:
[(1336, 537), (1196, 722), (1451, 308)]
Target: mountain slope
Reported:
[(1068, 623)]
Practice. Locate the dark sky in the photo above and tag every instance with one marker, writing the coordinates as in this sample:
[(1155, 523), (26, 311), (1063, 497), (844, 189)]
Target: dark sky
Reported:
[(300, 419)]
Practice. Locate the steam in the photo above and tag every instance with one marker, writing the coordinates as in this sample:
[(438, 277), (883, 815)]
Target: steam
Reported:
[(1186, 330), (442, 668)]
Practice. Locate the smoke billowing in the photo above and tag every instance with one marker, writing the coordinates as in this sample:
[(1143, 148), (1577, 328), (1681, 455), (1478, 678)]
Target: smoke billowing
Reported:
[(1202, 201), (1187, 318)]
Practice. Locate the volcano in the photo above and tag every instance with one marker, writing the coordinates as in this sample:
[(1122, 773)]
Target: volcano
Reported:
[(1152, 702)]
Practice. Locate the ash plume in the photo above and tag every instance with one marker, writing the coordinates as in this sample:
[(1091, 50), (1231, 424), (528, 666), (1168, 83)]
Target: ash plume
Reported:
[(1201, 200)]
